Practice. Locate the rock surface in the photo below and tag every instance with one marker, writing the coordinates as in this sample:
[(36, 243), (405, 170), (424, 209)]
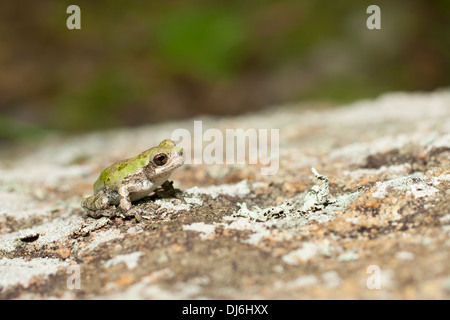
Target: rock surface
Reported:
[(372, 220)]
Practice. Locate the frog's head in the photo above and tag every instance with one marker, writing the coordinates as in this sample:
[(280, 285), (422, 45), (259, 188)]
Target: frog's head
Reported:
[(164, 158)]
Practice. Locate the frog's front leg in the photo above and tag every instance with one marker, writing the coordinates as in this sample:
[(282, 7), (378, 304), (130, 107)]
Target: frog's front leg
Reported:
[(167, 185), (134, 190)]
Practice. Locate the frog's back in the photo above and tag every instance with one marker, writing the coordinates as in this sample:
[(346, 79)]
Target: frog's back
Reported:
[(112, 177)]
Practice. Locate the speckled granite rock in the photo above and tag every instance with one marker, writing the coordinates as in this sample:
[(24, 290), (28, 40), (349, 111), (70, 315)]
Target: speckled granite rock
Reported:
[(381, 230)]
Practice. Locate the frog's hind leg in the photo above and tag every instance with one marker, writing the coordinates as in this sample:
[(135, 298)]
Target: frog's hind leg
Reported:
[(95, 203)]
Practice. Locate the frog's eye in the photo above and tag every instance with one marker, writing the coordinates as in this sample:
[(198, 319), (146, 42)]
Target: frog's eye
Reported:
[(160, 159)]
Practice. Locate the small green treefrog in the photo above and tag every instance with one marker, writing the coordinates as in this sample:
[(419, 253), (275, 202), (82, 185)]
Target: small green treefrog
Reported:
[(132, 179)]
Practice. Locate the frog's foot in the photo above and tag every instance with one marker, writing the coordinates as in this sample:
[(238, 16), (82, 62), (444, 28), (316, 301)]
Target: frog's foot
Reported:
[(109, 212), (138, 214)]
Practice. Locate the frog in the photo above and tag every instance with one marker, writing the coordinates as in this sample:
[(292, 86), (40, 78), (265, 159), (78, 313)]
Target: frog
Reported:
[(132, 179)]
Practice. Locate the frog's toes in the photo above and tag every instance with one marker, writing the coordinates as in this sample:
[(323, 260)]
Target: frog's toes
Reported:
[(109, 212), (94, 213)]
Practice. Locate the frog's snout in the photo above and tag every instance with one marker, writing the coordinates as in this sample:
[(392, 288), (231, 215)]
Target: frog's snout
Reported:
[(180, 153)]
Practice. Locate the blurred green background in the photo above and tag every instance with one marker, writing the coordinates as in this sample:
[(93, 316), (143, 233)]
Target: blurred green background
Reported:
[(137, 62)]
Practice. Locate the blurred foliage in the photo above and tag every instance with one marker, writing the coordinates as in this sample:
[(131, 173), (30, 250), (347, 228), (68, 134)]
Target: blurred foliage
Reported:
[(201, 41), (136, 62)]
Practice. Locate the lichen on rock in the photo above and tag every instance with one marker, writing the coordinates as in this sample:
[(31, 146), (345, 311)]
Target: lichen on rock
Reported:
[(380, 199)]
